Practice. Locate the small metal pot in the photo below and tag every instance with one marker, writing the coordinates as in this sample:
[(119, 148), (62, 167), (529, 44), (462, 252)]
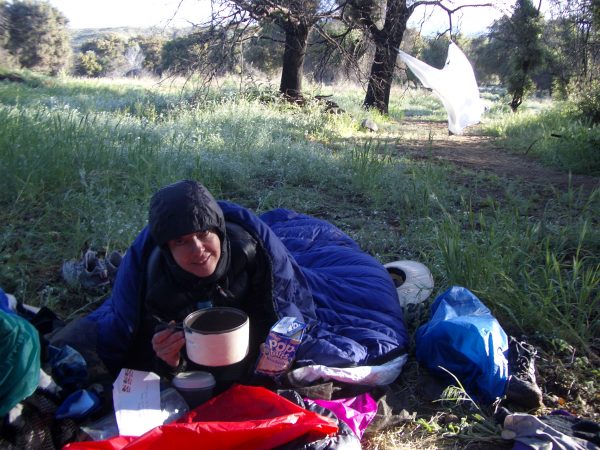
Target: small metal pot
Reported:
[(216, 337)]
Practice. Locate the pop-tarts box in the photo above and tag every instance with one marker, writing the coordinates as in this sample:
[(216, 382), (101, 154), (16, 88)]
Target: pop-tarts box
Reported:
[(279, 350)]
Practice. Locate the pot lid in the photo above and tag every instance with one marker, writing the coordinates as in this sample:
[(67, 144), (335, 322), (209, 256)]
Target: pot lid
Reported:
[(194, 380)]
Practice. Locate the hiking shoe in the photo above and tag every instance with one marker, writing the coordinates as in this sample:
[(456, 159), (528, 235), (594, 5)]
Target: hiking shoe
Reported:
[(523, 393), (90, 272), (70, 272), (112, 262), (522, 388), (521, 360), (95, 273)]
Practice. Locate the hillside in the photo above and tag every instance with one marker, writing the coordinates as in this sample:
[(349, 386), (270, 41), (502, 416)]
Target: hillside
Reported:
[(81, 35)]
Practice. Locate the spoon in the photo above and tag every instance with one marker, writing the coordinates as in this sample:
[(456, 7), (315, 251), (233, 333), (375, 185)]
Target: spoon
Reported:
[(163, 324)]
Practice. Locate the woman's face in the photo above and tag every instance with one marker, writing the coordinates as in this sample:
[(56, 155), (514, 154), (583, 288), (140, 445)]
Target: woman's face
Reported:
[(197, 253)]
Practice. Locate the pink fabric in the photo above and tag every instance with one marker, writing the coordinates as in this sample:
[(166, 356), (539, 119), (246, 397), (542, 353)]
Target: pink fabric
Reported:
[(357, 412)]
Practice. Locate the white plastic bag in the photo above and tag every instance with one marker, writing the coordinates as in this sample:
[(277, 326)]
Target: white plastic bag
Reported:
[(455, 85), (381, 375)]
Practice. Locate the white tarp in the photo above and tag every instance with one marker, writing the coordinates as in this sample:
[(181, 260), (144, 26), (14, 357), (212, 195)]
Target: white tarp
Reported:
[(455, 85)]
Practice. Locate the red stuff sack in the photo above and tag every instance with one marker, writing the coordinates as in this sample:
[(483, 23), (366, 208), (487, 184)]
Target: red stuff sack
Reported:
[(243, 417)]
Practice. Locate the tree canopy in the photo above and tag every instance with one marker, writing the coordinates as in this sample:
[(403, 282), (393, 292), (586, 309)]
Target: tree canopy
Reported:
[(295, 19), (37, 35), (516, 46), (327, 40)]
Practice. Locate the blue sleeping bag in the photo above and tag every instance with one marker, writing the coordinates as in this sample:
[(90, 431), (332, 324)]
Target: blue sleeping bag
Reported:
[(320, 276)]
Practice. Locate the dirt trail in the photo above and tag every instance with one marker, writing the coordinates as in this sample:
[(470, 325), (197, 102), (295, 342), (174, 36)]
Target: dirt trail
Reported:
[(482, 153)]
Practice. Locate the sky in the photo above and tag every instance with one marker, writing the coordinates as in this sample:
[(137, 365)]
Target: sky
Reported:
[(159, 13), (131, 13)]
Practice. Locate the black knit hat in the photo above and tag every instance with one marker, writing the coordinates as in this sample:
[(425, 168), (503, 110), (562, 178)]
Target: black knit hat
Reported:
[(182, 208)]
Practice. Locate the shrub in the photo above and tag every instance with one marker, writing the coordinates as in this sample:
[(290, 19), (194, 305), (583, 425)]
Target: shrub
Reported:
[(88, 64), (588, 101)]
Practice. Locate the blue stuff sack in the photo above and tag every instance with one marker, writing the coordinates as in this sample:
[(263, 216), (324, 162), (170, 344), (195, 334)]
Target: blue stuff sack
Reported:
[(464, 338), (78, 405), (5, 303), (69, 368)]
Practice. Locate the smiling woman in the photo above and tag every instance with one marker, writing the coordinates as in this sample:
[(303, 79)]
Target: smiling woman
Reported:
[(197, 253), (184, 221)]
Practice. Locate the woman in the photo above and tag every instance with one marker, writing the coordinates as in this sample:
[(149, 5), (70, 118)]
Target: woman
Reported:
[(199, 260), (197, 252)]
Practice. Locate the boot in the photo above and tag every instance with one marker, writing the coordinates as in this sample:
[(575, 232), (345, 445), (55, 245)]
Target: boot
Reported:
[(522, 388)]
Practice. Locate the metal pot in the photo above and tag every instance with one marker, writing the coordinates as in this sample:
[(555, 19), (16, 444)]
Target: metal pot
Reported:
[(216, 337)]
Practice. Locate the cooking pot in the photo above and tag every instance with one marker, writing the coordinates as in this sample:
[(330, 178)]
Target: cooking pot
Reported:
[(216, 337)]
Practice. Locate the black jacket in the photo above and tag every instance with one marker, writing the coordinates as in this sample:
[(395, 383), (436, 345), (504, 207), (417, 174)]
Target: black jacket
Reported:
[(245, 285)]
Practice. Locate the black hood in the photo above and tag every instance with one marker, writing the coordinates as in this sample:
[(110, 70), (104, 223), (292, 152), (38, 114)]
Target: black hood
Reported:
[(182, 208)]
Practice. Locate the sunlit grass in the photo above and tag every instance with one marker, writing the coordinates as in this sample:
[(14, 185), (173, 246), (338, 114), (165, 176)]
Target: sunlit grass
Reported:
[(552, 133)]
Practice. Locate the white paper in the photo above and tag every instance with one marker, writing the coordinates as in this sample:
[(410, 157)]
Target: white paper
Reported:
[(136, 397)]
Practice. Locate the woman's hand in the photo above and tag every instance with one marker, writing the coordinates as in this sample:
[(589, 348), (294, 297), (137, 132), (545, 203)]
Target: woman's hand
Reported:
[(167, 344)]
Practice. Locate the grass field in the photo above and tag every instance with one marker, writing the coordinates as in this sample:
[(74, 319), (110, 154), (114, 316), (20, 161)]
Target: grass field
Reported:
[(80, 159)]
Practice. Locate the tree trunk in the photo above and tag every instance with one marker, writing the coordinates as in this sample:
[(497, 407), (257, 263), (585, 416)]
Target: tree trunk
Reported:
[(387, 42), (517, 99), (380, 79), (518, 86), (296, 38)]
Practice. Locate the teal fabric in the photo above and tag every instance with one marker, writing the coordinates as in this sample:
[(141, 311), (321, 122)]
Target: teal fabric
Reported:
[(19, 360)]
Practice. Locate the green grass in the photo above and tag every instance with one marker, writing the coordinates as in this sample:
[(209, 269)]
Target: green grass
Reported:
[(555, 135), (79, 161)]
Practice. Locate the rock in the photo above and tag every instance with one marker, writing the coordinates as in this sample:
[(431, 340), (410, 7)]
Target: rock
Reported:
[(369, 125)]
